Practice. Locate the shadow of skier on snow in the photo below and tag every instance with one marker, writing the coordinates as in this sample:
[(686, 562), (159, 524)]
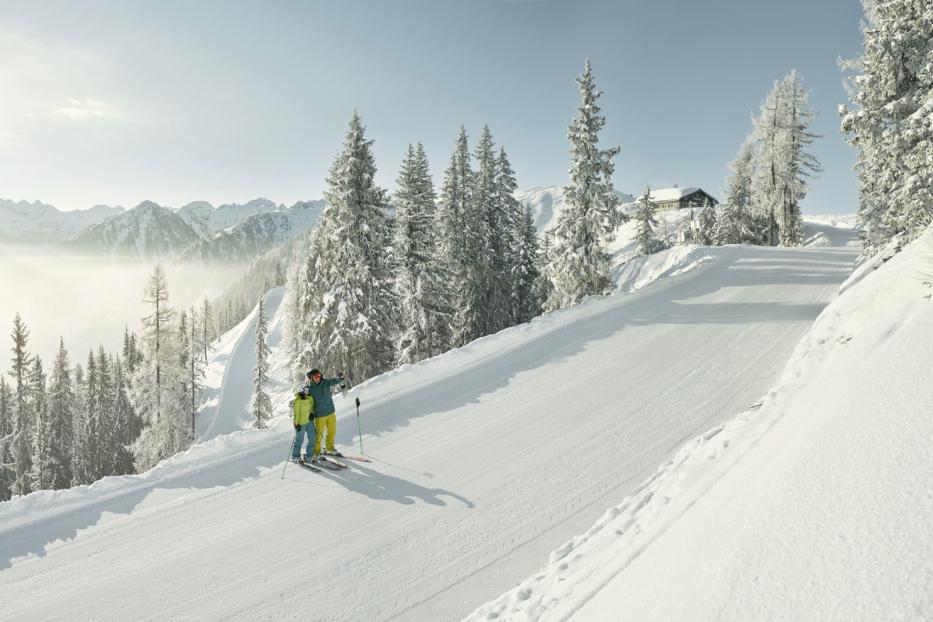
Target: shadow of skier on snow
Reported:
[(382, 487)]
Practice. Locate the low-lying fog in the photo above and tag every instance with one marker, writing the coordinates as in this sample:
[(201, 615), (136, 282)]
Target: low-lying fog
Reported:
[(88, 299)]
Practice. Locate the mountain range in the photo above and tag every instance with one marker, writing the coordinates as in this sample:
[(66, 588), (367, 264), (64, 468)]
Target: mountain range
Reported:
[(198, 230), (40, 223)]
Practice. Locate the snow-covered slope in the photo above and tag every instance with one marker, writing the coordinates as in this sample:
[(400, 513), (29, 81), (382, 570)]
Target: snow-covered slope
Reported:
[(817, 505), (148, 231), (39, 223), (484, 459), (547, 202), (228, 379)]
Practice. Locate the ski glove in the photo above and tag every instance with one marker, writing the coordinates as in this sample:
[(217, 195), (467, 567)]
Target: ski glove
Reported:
[(297, 427)]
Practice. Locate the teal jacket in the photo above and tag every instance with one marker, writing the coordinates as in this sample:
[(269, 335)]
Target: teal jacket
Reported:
[(323, 403)]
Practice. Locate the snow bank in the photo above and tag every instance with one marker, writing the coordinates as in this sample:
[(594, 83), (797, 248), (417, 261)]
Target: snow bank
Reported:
[(815, 505), (640, 271), (840, 221)]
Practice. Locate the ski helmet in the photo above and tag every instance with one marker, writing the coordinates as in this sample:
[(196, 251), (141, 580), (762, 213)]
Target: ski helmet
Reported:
[(314, 371)]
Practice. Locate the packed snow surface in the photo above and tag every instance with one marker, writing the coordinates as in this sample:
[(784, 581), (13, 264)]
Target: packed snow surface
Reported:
[(485, 459), (816, 506)]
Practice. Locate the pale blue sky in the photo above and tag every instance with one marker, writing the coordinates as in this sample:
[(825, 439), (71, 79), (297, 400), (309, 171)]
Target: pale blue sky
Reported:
[(116, 102)]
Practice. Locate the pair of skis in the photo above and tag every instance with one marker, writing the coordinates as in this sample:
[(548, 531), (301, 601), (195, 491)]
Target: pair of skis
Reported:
[(325, 462)]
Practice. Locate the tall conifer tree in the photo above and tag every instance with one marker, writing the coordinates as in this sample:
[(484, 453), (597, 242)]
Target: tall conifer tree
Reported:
[(736, 226), (646, 223), (261, 405), (347, 306), (421, 281), (62, 407), (38, 406), (21, 442), (579, 262)]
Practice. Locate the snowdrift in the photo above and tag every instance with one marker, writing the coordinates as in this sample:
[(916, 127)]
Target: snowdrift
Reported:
[(817, 505)]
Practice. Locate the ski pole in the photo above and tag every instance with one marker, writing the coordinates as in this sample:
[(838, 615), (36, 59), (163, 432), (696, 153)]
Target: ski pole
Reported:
[(287, 456), (358, 427)]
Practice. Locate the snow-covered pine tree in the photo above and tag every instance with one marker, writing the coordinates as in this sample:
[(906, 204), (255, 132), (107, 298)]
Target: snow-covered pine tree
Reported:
[(261, 406), (646, 224), (62, 406), (455, 196), (100, 418), (579, 263), (526, 297), (686, 229), (891, 87), (22, 440), (125, 424), (477, 303), (544, 287), (155, 339), (421, 282), (735, 225), (706, 225), (292, 301), (800, 165), (7, 467), (519, 248), (768, 165), (159, 389), (207, 333), (187, 388), (90, 449), (79, 466), (38, 405), (781, 163), (348, 310), (129, 350), (196, 369)]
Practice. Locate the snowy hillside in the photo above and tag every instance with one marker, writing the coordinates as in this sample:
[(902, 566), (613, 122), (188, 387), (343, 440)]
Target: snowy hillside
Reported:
[(547, 202), (206, 219), (814, 506), (475, 475), (255, 235), (39, 223), (148, 231)]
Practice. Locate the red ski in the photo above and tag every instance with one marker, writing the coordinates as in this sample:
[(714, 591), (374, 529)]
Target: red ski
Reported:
[(331, 464)]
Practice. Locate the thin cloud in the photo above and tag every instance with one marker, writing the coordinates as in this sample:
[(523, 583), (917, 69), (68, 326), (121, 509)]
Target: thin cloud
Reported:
[(85, 109)]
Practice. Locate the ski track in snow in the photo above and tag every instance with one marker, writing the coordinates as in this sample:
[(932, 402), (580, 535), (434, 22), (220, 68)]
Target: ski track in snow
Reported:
[(485, 459)]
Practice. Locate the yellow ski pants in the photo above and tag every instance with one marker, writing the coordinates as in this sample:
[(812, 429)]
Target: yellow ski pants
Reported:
[(325, 425)]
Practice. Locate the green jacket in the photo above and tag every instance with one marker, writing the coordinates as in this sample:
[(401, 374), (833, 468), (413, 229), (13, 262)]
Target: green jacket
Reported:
[(304, 409), (321, 394)]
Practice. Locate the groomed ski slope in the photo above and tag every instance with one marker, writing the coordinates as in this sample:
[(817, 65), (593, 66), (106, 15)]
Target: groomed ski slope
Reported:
[(817, 506), (485, 460)]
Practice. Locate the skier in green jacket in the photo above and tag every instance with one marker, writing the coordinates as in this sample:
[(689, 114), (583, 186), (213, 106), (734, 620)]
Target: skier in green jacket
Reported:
[(304, 411), (325, 414)]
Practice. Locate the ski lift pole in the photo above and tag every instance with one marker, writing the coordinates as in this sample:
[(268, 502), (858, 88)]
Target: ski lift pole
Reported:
[(359, 428)]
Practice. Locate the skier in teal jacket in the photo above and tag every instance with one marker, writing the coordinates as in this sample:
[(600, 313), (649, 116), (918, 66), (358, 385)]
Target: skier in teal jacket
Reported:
[(325, 414)]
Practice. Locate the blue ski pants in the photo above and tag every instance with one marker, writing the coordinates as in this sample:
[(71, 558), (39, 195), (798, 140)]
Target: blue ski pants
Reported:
[(306, 430)]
